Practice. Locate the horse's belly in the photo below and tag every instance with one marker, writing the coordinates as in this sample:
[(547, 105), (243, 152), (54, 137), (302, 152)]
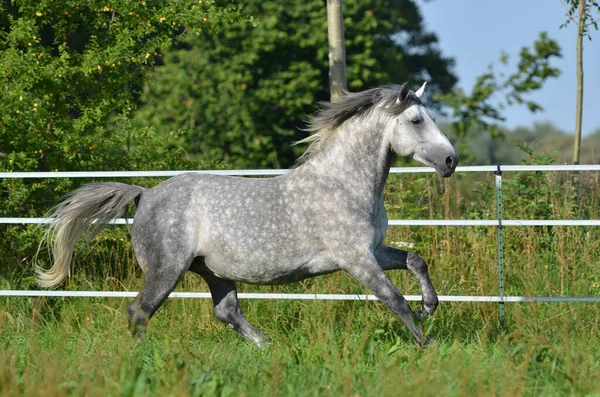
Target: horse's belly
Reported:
[(275, 270)]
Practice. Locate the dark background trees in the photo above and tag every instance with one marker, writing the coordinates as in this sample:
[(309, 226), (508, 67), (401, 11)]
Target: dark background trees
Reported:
[(242, 94)]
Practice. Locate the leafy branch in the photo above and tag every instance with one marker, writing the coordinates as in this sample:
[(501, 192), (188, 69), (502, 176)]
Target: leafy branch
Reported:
[(585, 7)]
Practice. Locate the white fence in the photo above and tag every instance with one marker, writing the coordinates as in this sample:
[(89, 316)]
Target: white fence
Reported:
[(499, 223)]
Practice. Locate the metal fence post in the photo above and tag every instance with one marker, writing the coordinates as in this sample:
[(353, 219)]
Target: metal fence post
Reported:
[(500, 246)]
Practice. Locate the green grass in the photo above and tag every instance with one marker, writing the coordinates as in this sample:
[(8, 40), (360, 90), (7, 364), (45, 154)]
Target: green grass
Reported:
[(75, 346), (81, 346)]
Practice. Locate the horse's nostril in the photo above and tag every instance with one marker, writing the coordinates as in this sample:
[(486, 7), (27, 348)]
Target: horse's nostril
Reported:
[(449, 162)]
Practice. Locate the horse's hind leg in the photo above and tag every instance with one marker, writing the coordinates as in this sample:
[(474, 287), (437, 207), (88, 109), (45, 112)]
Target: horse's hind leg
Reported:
[(228, 310), (162, 276)]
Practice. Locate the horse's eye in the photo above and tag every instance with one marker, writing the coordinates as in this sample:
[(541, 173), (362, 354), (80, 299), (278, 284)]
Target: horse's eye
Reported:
[(416, 121)]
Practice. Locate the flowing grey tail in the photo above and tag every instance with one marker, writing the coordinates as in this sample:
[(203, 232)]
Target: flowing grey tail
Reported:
[(87, 209)]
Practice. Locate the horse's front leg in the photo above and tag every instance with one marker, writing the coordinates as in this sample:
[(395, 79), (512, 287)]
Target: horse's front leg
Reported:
[(391, 258), (367, 271)]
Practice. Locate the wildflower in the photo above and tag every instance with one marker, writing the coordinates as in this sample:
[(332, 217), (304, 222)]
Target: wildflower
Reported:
[(403, 244)]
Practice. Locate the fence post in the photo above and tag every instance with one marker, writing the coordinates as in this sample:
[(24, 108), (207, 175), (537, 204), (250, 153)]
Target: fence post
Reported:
[(500, 246), (337, 49)]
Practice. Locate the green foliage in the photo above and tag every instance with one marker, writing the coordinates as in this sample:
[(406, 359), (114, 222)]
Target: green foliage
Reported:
[(70, 75), (545, 158), (71, 72), (69, 69), (478, 112), (589, 19), (241, 94)]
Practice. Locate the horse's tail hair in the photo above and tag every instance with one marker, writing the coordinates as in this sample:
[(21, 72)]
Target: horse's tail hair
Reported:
[(87, 209)]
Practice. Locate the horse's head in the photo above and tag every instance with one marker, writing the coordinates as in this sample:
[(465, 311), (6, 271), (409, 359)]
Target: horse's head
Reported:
[(413, 132)]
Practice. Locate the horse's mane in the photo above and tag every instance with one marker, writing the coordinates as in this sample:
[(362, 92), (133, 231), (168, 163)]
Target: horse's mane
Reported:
[(390, 99)]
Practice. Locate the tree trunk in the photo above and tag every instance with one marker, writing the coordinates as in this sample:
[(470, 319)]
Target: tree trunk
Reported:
[(337, 49), (579, 110)]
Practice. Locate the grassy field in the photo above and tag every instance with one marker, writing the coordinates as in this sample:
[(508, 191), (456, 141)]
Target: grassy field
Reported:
[(81, 346)]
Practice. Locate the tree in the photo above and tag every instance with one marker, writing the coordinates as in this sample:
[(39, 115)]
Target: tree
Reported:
[(580, 13), (240, 95), (68, 67), (71, 71), (70, 74)]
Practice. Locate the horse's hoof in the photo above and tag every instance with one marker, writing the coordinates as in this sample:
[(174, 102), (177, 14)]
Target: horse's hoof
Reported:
[(261, 341), (263, 344)]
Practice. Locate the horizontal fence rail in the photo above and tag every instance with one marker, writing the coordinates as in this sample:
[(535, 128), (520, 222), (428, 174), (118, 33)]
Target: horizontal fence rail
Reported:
[(391, 222), (268, 172), (292, 296), (501, 299)]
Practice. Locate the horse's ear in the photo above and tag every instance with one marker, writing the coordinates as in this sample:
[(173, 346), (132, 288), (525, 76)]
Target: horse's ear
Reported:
[(420, 91), (404, 90)]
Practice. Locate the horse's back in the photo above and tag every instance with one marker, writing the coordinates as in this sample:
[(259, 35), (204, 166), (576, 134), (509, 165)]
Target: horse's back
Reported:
[(193, 199)]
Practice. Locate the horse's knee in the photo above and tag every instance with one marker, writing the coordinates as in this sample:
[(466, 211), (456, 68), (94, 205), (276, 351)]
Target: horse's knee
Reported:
[(227, 312), (416, 264)]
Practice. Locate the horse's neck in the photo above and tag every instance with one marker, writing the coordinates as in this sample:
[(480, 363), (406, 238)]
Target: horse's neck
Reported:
[(357, 154)]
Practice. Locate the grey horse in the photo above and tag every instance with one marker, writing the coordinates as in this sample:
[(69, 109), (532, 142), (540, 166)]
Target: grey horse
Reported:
[(326, 214)]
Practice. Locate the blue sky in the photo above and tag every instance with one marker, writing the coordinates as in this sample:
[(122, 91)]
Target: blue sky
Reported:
[(474, 32)]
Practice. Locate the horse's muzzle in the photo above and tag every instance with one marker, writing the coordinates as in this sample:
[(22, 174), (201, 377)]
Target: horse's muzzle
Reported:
[(444, 163), (448, 167)]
